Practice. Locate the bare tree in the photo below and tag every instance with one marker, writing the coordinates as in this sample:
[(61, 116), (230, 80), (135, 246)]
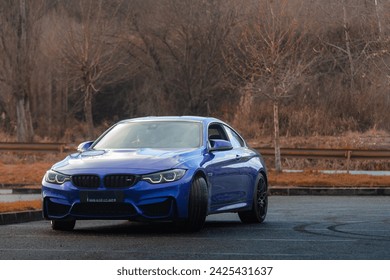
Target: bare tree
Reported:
[(348, 34), (18, 43), (183, 46), (272, 58), (90, 50), (378, 58)]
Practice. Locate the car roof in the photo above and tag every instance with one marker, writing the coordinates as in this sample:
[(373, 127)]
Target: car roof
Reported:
[(175, 118)]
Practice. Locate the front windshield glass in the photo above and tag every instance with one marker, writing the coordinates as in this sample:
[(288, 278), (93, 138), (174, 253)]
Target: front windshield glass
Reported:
[(152, 134)]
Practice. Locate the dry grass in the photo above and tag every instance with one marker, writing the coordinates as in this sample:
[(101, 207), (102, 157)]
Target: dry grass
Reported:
[(23, 173), (20, 206), (314, 178)]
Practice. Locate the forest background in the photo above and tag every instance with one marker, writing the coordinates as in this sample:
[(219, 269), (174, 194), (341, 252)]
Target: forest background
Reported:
[(70, 69)]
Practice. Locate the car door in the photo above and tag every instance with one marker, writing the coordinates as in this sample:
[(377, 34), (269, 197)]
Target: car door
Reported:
[(245, 159), (228, 183)]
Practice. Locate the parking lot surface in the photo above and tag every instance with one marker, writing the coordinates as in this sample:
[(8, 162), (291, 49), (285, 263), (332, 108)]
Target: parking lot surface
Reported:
[(297, 227)]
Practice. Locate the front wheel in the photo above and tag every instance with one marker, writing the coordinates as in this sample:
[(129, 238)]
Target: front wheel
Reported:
[(260, 204), (197, 205), (66, 225)]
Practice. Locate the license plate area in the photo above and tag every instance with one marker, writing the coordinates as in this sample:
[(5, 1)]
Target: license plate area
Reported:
[(101, 196)]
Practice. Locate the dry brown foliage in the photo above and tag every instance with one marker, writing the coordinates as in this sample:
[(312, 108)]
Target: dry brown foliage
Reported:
[(23, 173), (317, 179), (20, 206)]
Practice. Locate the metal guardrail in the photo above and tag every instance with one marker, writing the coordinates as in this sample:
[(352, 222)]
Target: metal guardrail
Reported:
[(266, 152), (328, 153), (35, 147), (342, 154)]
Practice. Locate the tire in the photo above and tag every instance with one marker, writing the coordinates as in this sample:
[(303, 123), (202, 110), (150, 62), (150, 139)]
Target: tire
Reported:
[(197, 205), (260, 204), (66, 225)]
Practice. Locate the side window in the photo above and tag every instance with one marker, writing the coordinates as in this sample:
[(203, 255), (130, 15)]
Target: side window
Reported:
[(235, 139), (216, 131)]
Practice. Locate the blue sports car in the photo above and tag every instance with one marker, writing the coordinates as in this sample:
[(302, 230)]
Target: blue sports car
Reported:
[(179, 169)]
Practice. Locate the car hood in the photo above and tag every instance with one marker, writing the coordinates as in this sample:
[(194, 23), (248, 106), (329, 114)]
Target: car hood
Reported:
[(139, 161)]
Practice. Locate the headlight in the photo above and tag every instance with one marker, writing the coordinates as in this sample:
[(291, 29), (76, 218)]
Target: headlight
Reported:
[(56, 177), (165, 176)]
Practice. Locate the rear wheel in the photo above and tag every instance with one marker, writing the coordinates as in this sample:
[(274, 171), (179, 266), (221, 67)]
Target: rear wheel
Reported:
[(197, 205), (260, 203), (66, 225)]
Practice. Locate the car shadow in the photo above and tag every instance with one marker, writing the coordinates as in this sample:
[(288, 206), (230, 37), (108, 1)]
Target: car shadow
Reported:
[(151, 229)]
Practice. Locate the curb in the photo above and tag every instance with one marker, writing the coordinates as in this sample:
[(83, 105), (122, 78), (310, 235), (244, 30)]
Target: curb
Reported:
[(26, 191), (331, 191), (20, 217)]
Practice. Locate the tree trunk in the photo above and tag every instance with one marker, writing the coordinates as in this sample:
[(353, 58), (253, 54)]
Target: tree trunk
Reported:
[(278, 162), (24, 126), (88, 113), (246, 100), (348, 47), (378, 18), (24, 122)]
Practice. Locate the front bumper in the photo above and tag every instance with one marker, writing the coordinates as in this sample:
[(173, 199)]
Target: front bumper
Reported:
[(143, 201)]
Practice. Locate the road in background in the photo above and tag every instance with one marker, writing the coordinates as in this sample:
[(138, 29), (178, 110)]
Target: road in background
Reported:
[(297, 227), (9, 196)]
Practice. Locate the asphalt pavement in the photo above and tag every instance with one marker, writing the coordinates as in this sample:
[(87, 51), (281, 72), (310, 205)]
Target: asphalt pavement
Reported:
[(296, 228)]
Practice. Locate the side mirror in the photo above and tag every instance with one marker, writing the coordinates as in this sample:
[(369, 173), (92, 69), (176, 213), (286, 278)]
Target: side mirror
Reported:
[(219, 145), (84, 146)]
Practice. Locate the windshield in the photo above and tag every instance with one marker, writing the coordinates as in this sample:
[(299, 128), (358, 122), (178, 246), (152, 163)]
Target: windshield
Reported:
[(152, 134)]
